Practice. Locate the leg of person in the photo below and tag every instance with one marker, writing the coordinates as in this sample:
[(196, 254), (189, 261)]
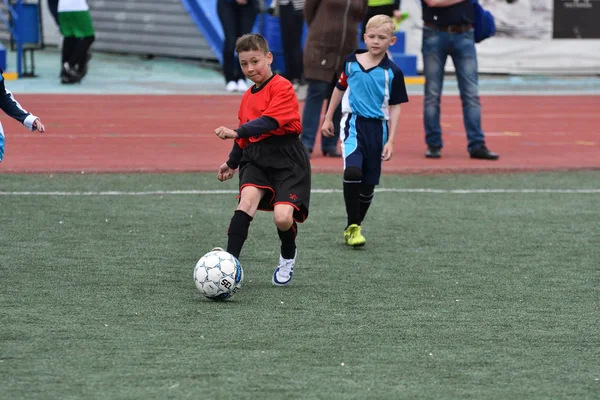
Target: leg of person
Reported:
[(246, 18), (226, 12), (287, 229), (434, 60), (290, 174), (68, 74), (329, 144), (464, 57), (237, 233), (288, 41), (353, 161), (311, 116), (80, 56), (78, 24), (373, 135), (367, 192), (297, 52)]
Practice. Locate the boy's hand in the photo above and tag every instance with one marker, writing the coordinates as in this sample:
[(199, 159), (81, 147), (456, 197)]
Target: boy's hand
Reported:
[(388, 150), (226, 133), (37, 125), (327, 128), (225, 172)]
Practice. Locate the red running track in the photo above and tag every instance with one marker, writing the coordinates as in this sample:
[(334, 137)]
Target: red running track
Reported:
[(173, 133)]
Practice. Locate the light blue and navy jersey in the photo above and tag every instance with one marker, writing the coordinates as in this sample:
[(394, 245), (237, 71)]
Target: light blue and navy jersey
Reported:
[(369, 92), (13, 109)]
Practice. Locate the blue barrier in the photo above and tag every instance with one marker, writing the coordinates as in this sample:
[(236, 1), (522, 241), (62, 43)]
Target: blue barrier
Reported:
[(23, 23), (407, 63), (2, 57), (204, 14), (400, 46)]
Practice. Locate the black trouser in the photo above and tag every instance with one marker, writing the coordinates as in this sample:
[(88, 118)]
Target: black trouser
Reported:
[(236, 20), (75, 51), (291, 22)]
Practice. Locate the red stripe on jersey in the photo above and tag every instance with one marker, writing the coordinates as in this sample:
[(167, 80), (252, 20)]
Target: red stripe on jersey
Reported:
[(343, 81)]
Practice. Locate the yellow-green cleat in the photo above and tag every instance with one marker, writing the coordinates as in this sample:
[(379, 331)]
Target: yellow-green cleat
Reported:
[(353, 237)]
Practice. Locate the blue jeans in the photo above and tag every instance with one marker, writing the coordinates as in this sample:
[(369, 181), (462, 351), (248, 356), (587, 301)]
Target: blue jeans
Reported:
[(311, 118), (436, 48)]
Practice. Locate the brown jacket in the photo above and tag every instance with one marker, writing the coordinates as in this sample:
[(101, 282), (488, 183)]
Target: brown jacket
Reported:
[(332, 35)]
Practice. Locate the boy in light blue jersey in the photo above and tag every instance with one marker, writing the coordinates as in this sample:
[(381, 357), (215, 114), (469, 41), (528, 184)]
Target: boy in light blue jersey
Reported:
[(371, 89)]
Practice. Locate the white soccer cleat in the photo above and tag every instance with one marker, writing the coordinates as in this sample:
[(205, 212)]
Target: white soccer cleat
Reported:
[(231, 86), (242, 86), (217, 249), (282, 275)]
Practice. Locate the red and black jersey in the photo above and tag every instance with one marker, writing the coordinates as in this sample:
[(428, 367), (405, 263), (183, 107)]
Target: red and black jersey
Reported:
[(275, 99)]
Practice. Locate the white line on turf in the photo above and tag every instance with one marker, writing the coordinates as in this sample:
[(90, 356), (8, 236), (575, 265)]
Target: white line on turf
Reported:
[(316, 191)]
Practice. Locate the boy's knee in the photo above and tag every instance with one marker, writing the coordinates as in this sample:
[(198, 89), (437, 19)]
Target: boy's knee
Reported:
[(352, 174), (283, 219)]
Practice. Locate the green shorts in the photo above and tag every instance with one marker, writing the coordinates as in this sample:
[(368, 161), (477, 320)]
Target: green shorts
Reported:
[(76, 23)]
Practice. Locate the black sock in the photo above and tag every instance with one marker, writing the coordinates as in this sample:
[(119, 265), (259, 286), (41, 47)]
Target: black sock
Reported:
[(238, 232), (288, 241), (365, 198), (351, 198)]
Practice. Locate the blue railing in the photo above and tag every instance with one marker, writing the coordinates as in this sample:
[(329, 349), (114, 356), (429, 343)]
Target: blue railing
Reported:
[(16, 29)]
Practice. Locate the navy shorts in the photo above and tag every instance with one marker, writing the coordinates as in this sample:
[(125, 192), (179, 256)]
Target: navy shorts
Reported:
[(362, 145)]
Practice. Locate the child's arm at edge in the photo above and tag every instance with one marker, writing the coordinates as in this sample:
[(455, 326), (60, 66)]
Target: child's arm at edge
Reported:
[(13, 109)]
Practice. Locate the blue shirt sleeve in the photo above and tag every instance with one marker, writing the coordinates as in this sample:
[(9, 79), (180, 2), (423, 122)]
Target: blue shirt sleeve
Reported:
[(398, 91)]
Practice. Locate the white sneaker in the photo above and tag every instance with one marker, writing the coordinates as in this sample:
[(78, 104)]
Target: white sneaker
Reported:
[(285, 270), (242, 86), (231, 86)]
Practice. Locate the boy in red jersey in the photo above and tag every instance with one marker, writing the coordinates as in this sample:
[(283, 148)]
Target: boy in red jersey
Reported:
[(274, 165)]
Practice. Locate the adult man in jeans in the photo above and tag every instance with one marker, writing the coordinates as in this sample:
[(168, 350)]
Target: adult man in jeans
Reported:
[(448, 31)]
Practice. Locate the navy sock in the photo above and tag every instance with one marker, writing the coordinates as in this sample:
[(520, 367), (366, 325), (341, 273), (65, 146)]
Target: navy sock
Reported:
[(352, 200), (365, 198), (288, 241)]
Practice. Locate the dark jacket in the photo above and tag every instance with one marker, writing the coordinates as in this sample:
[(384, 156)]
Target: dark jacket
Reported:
[(332, 35)]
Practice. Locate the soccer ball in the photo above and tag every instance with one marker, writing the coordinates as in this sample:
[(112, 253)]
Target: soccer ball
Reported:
[(218, 275)]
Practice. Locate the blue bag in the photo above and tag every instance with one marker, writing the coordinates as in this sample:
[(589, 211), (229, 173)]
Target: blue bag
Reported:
[(484, 25)]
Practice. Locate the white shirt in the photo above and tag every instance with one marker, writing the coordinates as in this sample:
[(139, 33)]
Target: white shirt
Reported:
[(72, 5)]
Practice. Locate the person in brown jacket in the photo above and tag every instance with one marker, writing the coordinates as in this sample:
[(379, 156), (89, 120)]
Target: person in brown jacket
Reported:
[(332, 35)]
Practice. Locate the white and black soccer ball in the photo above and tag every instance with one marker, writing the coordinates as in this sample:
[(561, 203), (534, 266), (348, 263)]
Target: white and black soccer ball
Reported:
[(218, 275)]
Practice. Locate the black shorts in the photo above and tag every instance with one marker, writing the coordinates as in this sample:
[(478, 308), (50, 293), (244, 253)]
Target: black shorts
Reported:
[(279, 164)]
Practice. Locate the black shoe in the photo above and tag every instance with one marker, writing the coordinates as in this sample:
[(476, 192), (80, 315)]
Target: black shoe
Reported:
[(482, 153), (83, 69), (433, 152), (333, 153), (69, 75)]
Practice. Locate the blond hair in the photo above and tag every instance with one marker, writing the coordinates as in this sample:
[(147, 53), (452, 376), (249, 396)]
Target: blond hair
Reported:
[(381, 20), (252, 42)]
